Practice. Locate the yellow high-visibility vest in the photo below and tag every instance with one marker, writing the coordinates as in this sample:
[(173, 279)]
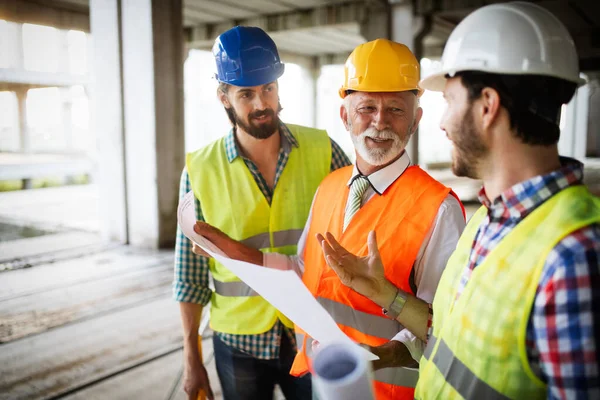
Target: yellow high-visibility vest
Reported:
[(232, 201), (477, 350)]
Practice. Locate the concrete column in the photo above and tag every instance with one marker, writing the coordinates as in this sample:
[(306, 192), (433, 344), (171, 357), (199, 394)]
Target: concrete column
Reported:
[(21, 94), (106, 97), (315, 73), (67, 120), (593, 120), (139, 116), (23, 127), (377, 24), (67, 123), (574, 125), (402, 31)]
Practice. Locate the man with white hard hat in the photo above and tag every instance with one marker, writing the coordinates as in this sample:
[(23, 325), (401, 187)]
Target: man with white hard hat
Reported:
[(517, 311)]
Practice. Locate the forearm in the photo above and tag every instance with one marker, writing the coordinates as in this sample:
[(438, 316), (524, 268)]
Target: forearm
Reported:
[(414, 316), (284, 262), (393, 354), (190, 321), (232, 248), (242, 252)]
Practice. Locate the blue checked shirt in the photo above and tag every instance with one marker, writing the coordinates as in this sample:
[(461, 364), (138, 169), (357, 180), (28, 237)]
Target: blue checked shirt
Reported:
[(563, 332), (192, 272)]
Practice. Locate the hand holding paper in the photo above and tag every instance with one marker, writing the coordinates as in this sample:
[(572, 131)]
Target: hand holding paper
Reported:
[(283, 289)]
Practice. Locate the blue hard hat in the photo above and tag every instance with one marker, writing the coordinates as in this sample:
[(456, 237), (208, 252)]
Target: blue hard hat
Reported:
[(246, 56)]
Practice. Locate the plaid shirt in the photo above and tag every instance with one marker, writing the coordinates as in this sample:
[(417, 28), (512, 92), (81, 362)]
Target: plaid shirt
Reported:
[(192, 272), (565, 320)]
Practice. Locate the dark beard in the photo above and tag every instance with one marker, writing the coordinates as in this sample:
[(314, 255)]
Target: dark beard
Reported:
[(468, 148), (262, 131)]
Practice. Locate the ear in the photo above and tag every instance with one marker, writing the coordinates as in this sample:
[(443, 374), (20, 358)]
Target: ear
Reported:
[(344, 117), (224, 99), (489, 107), (418, 116)]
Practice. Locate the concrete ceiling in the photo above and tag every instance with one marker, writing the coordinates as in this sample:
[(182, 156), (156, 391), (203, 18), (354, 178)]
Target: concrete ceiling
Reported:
[(301, 27), (322, 27)]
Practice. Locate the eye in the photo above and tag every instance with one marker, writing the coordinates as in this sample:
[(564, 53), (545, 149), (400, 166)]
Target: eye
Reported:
[(396, 110), (366, 109)]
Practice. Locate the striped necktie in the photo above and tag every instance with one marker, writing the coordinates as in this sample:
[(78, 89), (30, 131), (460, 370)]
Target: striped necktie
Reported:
[(357, 189)]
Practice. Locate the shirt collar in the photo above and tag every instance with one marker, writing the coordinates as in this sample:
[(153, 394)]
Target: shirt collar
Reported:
[(521, 199), (382, 179), (232, 149)]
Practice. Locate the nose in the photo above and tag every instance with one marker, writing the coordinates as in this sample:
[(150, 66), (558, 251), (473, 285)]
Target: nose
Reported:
[(260, 102), (380, 120), (443, 121)]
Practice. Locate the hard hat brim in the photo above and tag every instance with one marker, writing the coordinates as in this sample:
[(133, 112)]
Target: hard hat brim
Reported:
[(434, 82), (343, 91), (437, 82)]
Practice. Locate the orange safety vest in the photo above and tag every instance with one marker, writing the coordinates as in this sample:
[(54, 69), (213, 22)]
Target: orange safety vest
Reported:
[(402, 216)]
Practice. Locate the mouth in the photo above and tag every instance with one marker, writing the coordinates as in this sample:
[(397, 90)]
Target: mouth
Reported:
[(262, 118), (377, 141)]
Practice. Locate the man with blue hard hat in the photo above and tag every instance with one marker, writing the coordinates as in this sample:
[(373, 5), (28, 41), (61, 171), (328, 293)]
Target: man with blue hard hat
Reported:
[(256, 184)]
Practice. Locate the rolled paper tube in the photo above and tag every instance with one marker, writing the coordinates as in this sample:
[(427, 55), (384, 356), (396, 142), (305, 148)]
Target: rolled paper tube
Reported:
[(340, 372)]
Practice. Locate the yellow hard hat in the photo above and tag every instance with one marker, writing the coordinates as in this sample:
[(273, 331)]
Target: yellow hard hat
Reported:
[(381, 66)]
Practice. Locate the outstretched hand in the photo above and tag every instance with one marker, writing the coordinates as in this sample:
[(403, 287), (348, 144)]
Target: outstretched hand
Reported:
[(364, 275)]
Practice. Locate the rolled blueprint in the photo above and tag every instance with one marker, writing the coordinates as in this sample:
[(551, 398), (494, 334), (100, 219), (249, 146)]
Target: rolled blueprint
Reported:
[(341, 372)]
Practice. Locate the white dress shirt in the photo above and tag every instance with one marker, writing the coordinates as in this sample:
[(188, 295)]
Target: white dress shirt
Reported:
[(437, 246)]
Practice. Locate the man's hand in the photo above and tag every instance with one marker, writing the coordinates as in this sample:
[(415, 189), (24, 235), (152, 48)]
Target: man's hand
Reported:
[(216, 236), (232, 248), (392, 354), (195, 380), (365, 275)]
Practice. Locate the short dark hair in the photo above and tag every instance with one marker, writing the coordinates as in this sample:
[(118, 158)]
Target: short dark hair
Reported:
[(224, 88), (533, 102)]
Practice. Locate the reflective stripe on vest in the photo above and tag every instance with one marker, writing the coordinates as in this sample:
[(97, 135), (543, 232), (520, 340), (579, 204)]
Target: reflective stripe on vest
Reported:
[(366, 323), (429, 348), (289, 237), (234, 289), (393, 376), (459, 375)]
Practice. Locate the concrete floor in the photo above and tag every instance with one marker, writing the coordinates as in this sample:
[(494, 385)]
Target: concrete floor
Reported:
[(81, 318)]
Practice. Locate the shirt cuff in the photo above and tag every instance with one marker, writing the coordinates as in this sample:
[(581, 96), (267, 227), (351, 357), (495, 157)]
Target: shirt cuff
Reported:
[(415, 346), (185, 292), (283, 262), (275, 261)]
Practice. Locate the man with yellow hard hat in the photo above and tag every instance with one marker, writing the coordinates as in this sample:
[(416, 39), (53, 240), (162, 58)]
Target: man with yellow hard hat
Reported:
[(417, 219)]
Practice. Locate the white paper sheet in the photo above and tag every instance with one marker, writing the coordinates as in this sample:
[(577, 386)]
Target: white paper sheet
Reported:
[(283, 289), (186, 218)]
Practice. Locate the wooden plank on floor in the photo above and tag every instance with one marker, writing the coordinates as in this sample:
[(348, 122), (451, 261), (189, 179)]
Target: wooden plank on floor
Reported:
[(159, 379), (25, 315), (108, 263), (46, 365), (150, 381)]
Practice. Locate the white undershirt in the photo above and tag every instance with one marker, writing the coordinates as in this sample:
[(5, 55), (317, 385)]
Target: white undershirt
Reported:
[(438, 244)]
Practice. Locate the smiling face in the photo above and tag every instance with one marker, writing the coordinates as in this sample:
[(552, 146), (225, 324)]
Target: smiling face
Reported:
[(458, 121), (255, 110), (380, 125)]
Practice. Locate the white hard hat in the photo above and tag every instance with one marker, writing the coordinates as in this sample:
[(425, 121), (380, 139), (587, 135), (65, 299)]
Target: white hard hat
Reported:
[(516, 38)]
